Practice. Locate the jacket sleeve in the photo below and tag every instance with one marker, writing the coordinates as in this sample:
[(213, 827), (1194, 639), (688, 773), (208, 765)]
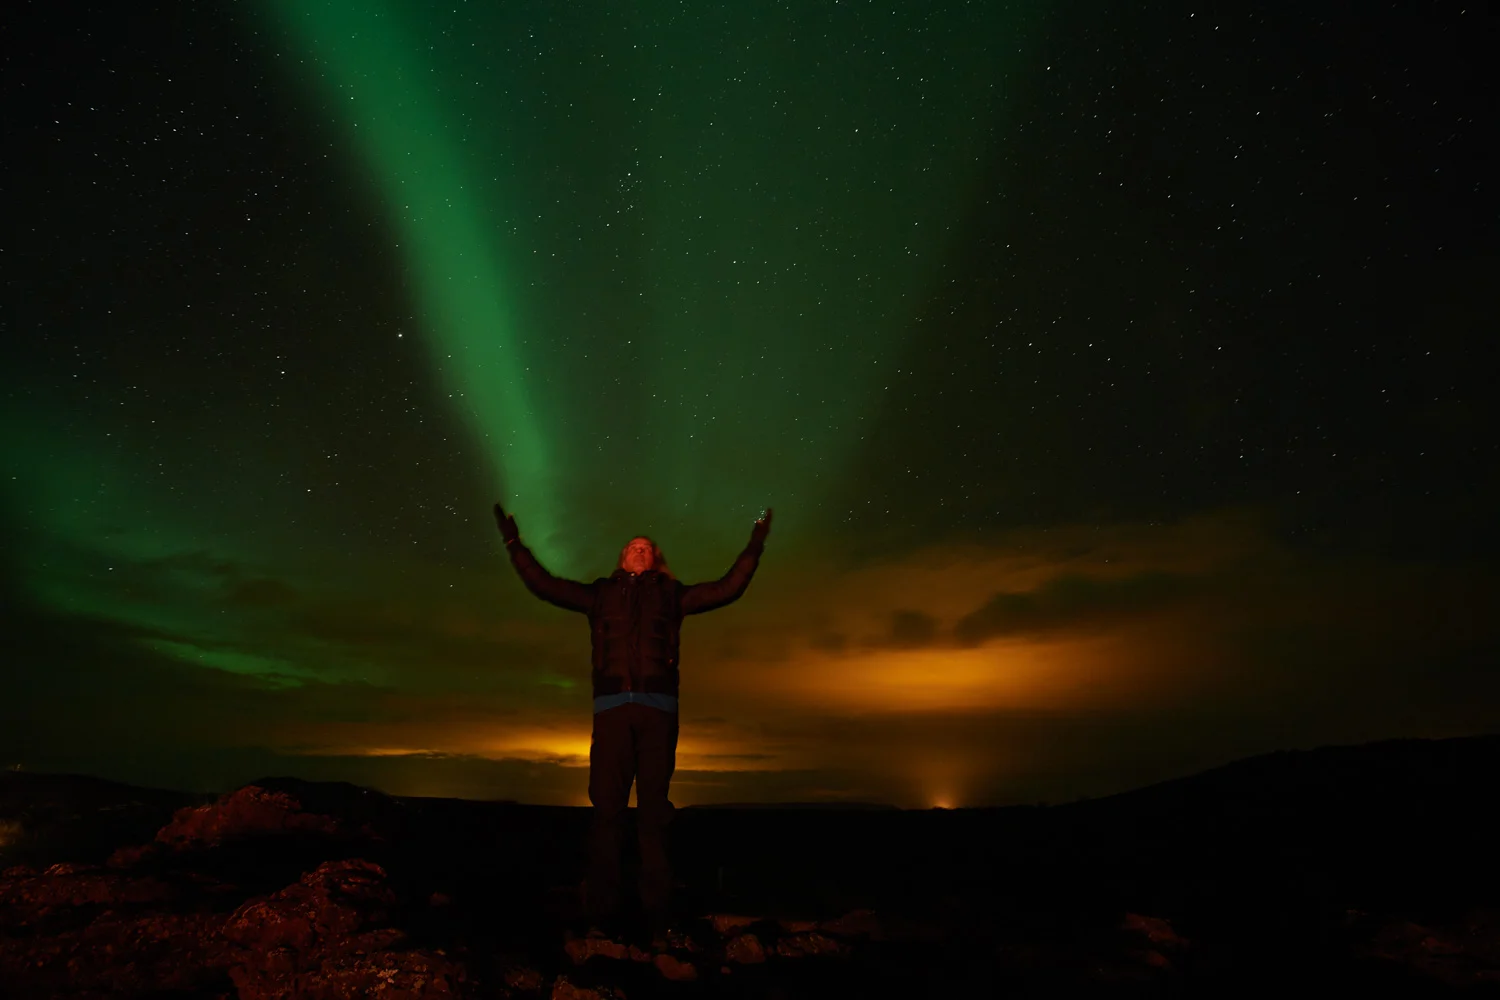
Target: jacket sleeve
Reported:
[(570, 595), (702, 597)]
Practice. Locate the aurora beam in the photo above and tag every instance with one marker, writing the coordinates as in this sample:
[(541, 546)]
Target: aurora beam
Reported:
[(366, 65)]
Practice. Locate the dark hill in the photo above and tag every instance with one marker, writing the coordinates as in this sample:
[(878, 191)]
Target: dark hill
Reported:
[(75, 817), (1369, 868)]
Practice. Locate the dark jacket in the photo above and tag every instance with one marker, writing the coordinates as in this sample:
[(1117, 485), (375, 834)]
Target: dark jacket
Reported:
[(636, 618)]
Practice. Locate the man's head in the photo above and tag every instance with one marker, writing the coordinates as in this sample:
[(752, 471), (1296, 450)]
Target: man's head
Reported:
[(641, 554)]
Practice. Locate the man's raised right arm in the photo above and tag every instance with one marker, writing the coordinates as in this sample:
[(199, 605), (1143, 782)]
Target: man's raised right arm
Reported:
[(569, 595)]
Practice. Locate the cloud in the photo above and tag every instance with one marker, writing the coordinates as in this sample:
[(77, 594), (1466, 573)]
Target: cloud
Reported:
[(1071, 602), (829, 642), (912, 628)]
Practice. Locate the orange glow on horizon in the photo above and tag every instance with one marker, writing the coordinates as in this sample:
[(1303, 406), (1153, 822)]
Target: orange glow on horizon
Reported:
[(556, 746)]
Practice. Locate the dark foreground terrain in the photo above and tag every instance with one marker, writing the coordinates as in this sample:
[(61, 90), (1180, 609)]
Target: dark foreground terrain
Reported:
[(1345, 871)]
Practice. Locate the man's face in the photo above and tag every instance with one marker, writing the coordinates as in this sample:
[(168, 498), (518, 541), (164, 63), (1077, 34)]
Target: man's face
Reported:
[(638, 556)]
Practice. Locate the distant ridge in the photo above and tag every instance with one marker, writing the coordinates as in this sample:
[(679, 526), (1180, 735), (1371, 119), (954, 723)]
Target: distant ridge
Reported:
[(1425, 761), (804, 806), (16, 778), (1444, 761)]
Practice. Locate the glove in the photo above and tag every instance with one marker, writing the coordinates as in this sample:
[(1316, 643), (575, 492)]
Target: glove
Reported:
[(507, 523), (761, 528)]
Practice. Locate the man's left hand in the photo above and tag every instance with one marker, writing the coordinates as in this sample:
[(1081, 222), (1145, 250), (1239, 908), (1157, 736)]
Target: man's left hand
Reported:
[(762, 527)]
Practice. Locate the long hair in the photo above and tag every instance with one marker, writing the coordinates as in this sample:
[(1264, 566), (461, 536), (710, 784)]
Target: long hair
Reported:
[(658, 560)]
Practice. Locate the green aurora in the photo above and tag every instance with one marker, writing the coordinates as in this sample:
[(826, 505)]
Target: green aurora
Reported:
[(734, 347)]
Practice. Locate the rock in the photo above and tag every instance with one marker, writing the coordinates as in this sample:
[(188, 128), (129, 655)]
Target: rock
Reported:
[(856, 924), (130, 857), (81, 930), (355, 973), (1465, 954), (324, 938), (809, 943), (564, 989), (1154, 929), (335, 902), (675, 969), (71, 895), (906, 930), (117, 955), (86, 929), (524, 979), (1478, 931), (679, 940), (797, 926), (246, 812), (580, 950), (745, 949), (727, 923)]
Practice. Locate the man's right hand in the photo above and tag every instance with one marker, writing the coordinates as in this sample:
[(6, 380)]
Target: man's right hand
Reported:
[(507, 523)]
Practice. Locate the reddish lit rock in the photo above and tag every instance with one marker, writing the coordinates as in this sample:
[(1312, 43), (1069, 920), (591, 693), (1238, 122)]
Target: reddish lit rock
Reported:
[(681, 941), (1464, 954), (246, 812), (336, 901), (115, 954), (809, 943), (564, 989), (727, 923), (80, 928), (324, 938), (92, 931), (524, 979), (129, 857), (354, 973), (1156, 960), (854, 924), (29, 898), (674, 968), (1478, 931), (910, 931), (580, 950), (745, 949), (1154, 929)]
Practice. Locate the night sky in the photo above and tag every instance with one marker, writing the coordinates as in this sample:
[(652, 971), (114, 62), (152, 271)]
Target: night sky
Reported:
[(1117, 374)]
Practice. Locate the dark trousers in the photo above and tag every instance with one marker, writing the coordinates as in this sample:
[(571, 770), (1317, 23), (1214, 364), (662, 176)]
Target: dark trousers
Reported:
[(632, 743)]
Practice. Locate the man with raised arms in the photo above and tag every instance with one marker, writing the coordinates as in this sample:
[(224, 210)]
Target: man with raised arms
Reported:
[(635, 617)]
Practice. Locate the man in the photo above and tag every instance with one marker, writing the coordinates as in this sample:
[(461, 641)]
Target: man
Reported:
[(635, 617)]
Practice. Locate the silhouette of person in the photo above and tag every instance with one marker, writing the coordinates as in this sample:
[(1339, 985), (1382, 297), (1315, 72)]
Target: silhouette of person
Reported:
[(635, 617)]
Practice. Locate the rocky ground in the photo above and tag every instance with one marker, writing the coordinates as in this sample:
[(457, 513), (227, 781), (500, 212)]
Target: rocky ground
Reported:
[(288, 889)]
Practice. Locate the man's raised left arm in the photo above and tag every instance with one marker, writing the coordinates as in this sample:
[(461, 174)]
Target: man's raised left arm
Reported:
[(701, 597)]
